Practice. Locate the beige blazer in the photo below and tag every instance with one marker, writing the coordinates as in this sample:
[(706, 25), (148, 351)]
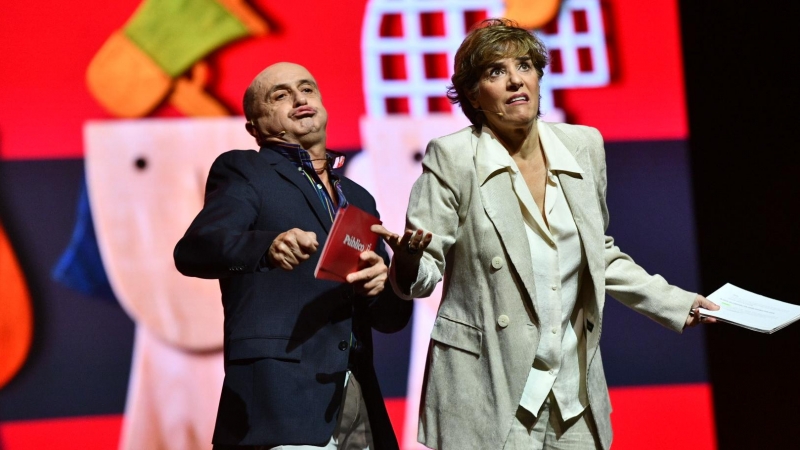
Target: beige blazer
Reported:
[(486, 332)]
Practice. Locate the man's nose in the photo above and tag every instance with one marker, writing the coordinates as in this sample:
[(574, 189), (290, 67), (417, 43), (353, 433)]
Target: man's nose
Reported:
[(300, 99)]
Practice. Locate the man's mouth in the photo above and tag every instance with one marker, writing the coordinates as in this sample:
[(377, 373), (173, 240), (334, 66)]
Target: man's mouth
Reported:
[(517, 99), (304, 111)]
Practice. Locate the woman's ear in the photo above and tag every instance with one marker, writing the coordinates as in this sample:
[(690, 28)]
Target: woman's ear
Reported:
[(474, 102)]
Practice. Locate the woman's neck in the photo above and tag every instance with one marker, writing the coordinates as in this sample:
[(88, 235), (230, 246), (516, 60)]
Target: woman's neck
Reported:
[(522, 143)]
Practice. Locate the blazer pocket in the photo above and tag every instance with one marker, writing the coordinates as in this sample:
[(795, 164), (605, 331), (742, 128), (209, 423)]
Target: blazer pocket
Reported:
[(260, 347), (456, 334)]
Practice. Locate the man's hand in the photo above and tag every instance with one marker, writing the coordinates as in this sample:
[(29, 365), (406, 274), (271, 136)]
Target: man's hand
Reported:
[(369, 281), (694, 317), (291, 248)]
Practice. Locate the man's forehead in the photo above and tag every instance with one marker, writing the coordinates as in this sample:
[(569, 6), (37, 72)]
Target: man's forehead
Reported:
[(285, 74)]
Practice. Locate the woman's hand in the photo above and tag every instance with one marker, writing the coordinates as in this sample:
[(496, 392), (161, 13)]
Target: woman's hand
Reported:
[(407, 250), (412, 243), (694, 317)]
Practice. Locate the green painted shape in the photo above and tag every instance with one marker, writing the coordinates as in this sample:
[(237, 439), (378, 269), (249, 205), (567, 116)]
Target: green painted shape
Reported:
[(178, 33)]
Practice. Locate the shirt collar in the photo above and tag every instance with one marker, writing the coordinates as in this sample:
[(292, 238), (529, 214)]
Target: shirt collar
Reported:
[(492, 156), (293, 152), (559, 158)]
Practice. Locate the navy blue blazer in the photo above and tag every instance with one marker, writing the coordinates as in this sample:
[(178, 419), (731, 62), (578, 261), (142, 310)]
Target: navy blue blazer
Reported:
[(287, 335)]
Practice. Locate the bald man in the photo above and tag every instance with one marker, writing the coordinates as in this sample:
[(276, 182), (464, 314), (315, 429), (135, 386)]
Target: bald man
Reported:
[(298, 351)]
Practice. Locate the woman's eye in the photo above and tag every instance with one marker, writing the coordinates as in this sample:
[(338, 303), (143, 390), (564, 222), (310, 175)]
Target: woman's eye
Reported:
[(524, 66)]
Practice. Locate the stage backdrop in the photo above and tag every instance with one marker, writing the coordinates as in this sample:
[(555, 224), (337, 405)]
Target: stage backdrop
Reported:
[(113, 111)]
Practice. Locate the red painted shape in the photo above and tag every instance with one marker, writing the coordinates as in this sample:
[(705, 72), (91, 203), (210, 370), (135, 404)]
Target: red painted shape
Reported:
[(435, 65), (585, 63), (45, 101), (396, 407), (647, 417), (397, 105), (73, 433), (646, 98), (580, 24), (663, 417), (439, 105), (393, 67), (391, 25), (432, 24)]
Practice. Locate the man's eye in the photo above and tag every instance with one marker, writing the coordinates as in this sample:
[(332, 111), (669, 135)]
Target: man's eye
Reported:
[(525, 66)]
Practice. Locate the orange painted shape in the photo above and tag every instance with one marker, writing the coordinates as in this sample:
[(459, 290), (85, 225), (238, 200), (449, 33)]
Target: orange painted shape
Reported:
[(16, 313), (532, 14), (125, 80), (255, 25), (190, 98)]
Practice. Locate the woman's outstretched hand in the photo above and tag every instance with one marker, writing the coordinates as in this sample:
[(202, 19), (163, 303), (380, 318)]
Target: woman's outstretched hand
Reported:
[(408, 250), (411, 243), (695, 317)]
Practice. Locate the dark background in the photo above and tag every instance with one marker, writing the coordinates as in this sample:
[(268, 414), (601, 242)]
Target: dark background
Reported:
[(742, 92)]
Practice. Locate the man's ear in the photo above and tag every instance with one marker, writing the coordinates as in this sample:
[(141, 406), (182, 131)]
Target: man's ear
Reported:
[(251, 128)]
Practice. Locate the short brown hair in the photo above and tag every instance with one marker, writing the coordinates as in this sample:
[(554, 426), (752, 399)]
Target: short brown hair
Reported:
[(489, 41)]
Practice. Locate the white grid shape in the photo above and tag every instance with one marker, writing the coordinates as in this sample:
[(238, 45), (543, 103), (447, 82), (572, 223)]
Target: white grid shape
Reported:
[(567, 40), (417, 88)]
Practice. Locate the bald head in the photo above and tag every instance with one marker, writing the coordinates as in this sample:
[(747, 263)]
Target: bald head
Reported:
[(283, 103)]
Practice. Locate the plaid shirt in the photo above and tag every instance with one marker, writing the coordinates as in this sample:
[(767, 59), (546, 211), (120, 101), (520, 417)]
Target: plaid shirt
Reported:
[(302, 160)]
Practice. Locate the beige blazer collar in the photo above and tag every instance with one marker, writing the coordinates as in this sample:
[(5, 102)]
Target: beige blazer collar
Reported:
[(580, 191), (493, 168)]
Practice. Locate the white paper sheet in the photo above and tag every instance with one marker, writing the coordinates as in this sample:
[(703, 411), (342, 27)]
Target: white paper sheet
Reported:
[(750, 310)]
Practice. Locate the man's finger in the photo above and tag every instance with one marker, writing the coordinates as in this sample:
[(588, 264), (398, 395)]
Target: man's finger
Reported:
[(373, 266), (306, 241)]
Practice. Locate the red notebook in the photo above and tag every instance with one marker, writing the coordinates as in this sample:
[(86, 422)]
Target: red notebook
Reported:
[(350, 235)]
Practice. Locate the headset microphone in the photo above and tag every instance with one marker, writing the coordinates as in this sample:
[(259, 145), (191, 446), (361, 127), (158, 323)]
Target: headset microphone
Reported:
[(499, 114), (266, 135)]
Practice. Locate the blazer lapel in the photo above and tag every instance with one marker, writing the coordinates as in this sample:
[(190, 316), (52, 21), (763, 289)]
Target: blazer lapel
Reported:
[(502, 208), (581, 195), (290, 173)]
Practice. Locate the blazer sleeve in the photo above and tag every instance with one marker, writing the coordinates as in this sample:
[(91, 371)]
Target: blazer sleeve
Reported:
[(222, 241), (433, 206), (388, 312), (625, 280)]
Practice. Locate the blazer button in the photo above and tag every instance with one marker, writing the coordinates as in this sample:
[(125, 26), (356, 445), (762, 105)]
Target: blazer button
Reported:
[(497, 262), (502, 321), (343, 345)]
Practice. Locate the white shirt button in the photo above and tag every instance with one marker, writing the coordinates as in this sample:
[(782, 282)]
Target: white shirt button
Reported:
[(554, 287), (502, 321), (497, 262), (550, 372), (554, 330)]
